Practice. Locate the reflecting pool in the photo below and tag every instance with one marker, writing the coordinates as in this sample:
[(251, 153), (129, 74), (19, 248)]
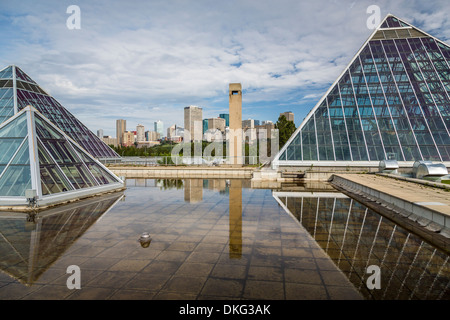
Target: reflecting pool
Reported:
[(215, 239)]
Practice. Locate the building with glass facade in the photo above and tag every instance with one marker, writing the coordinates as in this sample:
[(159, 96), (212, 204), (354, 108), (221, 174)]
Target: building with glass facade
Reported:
[(392, 102), (39, 161), (18, 90), (225, 116)]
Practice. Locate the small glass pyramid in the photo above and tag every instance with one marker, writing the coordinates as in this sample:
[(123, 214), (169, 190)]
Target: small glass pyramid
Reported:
[(36, 155), (392, 102)]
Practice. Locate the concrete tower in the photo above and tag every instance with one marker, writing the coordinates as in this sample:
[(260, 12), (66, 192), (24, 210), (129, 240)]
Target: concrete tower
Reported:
[(235, 140)]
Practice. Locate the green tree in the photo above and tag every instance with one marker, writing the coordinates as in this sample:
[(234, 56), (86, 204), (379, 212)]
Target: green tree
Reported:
[(285, 129)]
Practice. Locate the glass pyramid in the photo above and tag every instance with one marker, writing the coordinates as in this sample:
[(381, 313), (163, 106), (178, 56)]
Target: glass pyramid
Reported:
[(37, 155), (392, 102), (17, 90)]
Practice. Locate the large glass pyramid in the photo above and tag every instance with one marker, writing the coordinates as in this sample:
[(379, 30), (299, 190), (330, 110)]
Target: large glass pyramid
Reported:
[(17, 90), (392, 102), (36, 155)]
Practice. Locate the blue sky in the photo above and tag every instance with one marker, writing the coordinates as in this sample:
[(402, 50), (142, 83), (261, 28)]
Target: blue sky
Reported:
[(146, 60)]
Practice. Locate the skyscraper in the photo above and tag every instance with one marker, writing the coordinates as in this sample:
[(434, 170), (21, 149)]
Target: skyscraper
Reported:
[(391, 102), (121, 127), (171, 131), (193, 123), (159, 127), (140, 133)]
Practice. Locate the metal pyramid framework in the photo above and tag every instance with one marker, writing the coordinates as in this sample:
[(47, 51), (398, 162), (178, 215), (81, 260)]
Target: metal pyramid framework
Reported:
[(392, 102), (17, 90), (40, 162)]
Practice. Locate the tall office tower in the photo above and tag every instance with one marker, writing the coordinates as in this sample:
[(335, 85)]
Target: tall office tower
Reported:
[(289, 115), (225, 116), (100, 133), (216, 123), (193, 123), (171, 131), (140, 133), (235, 106), (121, 127), (128, 138), (159, 127)]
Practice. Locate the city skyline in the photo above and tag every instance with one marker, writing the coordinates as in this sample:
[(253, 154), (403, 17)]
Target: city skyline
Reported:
[(277, 53)]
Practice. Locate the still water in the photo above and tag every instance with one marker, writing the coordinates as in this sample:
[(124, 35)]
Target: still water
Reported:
[(216, 239)]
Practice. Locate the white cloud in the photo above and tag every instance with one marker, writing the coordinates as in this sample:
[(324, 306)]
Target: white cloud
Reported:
[(129, 56)]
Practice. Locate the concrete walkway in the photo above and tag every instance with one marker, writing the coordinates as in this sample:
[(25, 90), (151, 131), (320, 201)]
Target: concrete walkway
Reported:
[(420, 208), (433, 198)]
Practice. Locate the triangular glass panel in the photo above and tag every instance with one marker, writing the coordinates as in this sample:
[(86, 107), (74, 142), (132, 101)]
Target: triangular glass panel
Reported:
[(6, 103), (52, 178), (9, 148), (6, 73), (16, 177), (22, 156), (100, 174), (15, 180), (23, 76), (17, 128), (65, 156)]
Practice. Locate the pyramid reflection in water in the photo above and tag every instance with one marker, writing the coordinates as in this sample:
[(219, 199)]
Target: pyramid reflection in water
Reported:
[(29, 245), (355, 237)]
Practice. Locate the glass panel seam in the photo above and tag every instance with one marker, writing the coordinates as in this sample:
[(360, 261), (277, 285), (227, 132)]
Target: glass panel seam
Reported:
[(418, 101), (301, 143), (345, 120), (359, 115), (14, 155), (403, 103), (428, 87), (14, 89), (331, 130), (442, 84), (56, 163), (373, 110), (387, 104), (84, 164), (317, 140)]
